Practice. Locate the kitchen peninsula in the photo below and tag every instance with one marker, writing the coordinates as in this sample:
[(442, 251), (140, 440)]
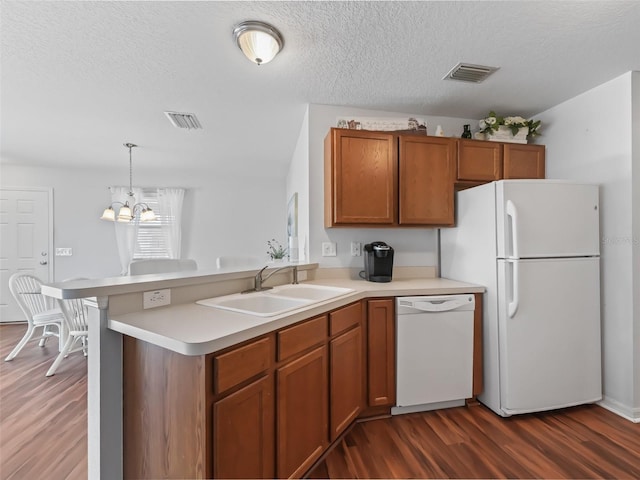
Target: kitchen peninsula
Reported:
[(161, 380)]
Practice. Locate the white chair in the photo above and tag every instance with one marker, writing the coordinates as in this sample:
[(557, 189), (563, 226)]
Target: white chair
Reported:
[(161, 265), (77, 329), (40, 310), (229, 261)]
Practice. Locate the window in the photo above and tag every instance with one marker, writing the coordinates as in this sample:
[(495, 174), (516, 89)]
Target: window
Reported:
[(160, 238), (151, 241)]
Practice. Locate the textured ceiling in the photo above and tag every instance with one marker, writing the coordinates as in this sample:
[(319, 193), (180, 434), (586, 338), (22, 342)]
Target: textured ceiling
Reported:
[(81, 78)]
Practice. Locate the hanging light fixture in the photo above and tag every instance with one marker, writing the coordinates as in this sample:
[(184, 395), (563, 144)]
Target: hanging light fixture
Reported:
[(259, 41), (128, 212)]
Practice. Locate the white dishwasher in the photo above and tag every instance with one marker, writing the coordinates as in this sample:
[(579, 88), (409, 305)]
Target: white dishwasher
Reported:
[(434, 352)]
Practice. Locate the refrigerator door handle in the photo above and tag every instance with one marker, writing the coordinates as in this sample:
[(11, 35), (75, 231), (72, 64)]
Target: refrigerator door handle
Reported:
[(512, 307), (512, 212)]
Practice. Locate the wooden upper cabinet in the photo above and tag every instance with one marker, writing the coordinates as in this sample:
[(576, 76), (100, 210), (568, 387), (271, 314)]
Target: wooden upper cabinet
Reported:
[(427, 173), (388, 179), (360, 178), (524, 161), (479, 160)]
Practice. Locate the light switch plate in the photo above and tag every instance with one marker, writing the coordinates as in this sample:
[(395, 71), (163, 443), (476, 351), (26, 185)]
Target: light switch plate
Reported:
[(157, 298), (328, 249), (64, 252)]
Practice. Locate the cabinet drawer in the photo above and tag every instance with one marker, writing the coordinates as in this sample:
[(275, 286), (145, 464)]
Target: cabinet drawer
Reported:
[(242, 363), (298, 338), (345, 318)]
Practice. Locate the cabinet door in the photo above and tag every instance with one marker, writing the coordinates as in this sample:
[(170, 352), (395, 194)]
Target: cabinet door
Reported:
[(346, 372), (427, 173), (243, 432), (381, 353), (302, 413), (360, 178), (524, 161), (479, 160)]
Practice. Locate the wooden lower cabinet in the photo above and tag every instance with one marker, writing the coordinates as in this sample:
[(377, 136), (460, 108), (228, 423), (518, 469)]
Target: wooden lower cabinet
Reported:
[(243, 432), (269, 407), (346, 377), (381, 353), (166, 417), (302, 411)]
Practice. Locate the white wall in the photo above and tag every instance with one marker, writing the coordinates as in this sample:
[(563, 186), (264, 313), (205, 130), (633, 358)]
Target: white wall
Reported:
[(298, 181), (589, 138), (413, 246), (223, 215)]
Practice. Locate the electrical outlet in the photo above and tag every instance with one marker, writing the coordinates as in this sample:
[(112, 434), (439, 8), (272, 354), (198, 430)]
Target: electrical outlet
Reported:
[(356, 249), (157, 298), (64, 252), (328, 249)]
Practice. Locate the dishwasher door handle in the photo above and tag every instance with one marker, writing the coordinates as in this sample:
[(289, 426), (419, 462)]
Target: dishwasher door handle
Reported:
[(438, 306)]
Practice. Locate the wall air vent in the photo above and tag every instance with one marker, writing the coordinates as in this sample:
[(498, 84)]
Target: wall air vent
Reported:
[(183, 120), (466, 72)]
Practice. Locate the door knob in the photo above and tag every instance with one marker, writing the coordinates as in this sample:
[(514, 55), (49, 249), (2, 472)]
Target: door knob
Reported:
[(43, 262)]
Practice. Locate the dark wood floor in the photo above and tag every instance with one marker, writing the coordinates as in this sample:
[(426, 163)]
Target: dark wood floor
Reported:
[(43, 421), (43, 434), (472, 442)]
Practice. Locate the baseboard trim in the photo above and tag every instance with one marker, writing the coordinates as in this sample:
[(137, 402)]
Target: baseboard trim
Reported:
[(624, 411)]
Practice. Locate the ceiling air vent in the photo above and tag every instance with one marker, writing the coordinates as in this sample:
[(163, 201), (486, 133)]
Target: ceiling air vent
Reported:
[(466, 72), (183, 120)]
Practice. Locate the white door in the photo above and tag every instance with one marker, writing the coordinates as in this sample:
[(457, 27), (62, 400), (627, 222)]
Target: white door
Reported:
[(25, 241), (547, 218), (549, 333)]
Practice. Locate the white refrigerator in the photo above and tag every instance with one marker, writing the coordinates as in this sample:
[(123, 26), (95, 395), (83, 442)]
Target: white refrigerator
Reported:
[(534, 245)]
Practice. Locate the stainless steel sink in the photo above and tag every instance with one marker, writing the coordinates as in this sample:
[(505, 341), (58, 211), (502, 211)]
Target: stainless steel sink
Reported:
[(274, 302)]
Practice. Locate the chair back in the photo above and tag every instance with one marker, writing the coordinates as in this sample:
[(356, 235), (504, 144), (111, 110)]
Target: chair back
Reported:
[(228, 261), (26, 289), (75, 315), (161, 265)]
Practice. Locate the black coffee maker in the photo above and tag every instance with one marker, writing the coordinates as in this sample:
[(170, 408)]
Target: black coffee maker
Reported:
[(378, 262)]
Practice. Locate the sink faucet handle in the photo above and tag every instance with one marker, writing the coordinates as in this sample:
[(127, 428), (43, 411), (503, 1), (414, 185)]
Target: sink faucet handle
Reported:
[(258, 279)]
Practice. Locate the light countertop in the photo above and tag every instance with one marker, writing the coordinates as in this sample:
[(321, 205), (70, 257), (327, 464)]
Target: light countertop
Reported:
[(192, 329)]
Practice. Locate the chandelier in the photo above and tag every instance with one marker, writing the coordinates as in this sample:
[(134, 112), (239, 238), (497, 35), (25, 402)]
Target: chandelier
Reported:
[(128, 212)]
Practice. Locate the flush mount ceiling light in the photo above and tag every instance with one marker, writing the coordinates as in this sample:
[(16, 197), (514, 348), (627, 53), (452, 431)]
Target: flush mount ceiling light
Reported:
[(128, 212), (259, 41), (467, 72)]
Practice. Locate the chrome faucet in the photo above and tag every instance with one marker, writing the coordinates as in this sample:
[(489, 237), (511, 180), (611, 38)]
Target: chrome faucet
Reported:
[(259, 279)]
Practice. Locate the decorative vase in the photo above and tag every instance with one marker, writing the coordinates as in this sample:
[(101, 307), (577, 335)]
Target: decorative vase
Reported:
[(503, 134), (467, 131)]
